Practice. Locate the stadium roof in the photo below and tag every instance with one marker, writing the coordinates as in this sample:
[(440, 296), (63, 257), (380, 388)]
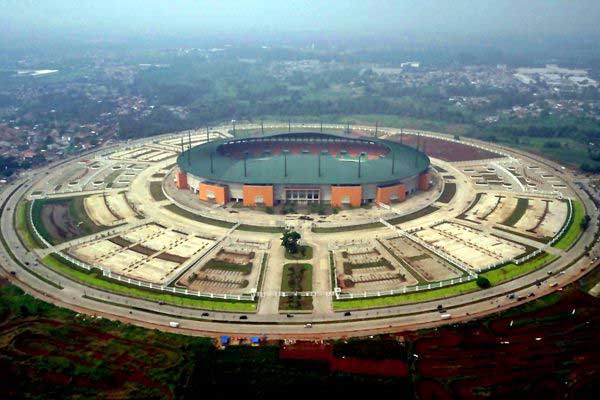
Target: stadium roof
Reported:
[(303, 169)]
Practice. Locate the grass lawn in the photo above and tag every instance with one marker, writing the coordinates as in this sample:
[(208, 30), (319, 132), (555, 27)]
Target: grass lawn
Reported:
[(22, 226), (76, 216), (496, 276), (413, 297), (511, 271), (473, 204), (296, 277), (304, 253), (110, 179), (156, 191), (372, 225), (517, 213), (411, 270), (195, 217), (77, 211), (227, 266), (409, 217), (94, 279), (262, 229), (574, 229)]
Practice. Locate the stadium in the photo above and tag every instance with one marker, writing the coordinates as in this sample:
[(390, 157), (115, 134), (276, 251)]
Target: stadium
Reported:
[(304, 168)]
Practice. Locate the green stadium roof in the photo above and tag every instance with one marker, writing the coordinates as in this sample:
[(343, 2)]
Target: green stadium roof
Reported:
[(303, 169)]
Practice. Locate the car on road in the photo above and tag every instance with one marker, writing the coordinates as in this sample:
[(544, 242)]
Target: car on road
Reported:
[(205, 314), (289, 315), (347, 314), (309, 325), (243, 317)]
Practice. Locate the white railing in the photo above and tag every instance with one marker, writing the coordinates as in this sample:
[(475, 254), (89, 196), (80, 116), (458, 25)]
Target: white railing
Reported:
[(35, 231), (565, 226), (106, 272), (527, 257), (109, 274), (170, 289), (204, 254), (510, 175), (405, 289), (431, 248)]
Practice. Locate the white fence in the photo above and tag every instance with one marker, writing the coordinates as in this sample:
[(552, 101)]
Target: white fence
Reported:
[(35, 231), (109, 274), (405, 289), (170, 289), (429, 247), (565, 226)]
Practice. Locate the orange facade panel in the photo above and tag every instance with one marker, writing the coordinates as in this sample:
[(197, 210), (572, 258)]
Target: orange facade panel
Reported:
[(424, 181), (213, 193), (258, 194), (391, 194), (346, 196), (181, 181)]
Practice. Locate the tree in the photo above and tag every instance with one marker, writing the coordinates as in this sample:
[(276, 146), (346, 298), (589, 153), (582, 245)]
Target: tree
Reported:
[(585, 222), (289, 240), (483, 282)]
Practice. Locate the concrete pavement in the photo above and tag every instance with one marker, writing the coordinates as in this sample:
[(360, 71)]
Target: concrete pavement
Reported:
[(326, 323)]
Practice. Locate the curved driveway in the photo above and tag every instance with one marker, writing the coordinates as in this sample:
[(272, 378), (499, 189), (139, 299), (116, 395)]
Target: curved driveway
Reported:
[(331, 324)]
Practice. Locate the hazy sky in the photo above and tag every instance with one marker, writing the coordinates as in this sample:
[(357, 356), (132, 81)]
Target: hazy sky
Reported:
[(190, 17)]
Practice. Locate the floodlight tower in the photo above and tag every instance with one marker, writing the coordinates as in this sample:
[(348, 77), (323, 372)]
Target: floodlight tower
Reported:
[(359, 164)]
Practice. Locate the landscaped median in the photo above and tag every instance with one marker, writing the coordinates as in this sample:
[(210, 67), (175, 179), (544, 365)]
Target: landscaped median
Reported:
[(495, 276), (574, 229), (174, 208), (23, 227), (60, 220), (296, 278), (349, 228), (95, 280)]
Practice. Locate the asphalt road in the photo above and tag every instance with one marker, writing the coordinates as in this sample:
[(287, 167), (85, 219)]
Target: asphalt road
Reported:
[(331, 324)]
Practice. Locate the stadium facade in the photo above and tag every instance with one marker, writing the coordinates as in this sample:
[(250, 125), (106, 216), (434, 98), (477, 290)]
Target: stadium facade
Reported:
[(305, 167)]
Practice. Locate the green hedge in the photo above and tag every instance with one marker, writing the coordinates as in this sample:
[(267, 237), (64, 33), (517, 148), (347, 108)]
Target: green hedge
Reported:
[(94, 279), (573, 230)]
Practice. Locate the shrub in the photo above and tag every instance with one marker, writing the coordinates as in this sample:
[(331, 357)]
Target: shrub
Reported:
[(289, 208), (585, 222), (483, 282)]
